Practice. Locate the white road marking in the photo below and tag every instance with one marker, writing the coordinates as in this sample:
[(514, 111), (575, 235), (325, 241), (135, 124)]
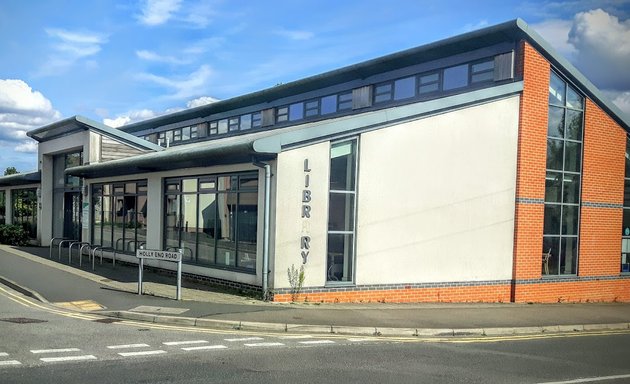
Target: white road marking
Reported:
[(204, 347), (142, 353), (67, 358), (317, 342), (264, 345), (359, 339), (9, 362), (3, 354), (185, 342), (296, 337), (124, 346), (589, 380), (55, 350), (245, 339)]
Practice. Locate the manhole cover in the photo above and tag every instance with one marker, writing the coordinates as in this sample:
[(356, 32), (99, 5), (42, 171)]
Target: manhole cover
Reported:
[(23, 320), (107, 321)]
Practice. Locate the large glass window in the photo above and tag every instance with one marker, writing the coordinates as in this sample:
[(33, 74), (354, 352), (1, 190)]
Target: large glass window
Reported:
[(25, 210), (3, 207), (214, 219), (562, 182), (341, 211), (625, 228), (119, 215)]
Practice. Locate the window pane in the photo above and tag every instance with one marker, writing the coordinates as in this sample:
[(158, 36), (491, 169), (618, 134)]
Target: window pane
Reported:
[(223, 126), (189, 226), (555, 127), (552, 219), (226, 223), (555, 150), (246, 122), (340, 255), (483, 66), (329, 104), (342, 166), (247, 229), (553, 187), (345, 101), (568, 256), (186, 133), (574, 100), (434, 77), (189, 185), (341, 212), (405, 88), (570, 219), (455, 77), (574, 125), (207, 229), (553, 244), (626, 193), (248, 182), (296, 111), (227, 183), (573, 157), (571, 189), (556, 90), (429, 88), (626, 223), (627, 157), (484, 76), (171, 223)]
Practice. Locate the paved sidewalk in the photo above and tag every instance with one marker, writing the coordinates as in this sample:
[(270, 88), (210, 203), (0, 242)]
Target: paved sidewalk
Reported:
[(113, 291)]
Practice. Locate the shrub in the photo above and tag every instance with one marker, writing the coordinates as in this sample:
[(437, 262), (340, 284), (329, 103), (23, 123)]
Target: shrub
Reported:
[(13, 234)]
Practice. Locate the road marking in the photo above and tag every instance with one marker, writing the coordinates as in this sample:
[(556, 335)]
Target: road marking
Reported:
[(142, 353), (588, 380), (9, 362), (55, 350), (264, 345), (317, 342), (204, 347), (297, 337), (67, 358), (3, 354), (82, 305), (123, 346), (360, 339), (245, 339), (186, 342)]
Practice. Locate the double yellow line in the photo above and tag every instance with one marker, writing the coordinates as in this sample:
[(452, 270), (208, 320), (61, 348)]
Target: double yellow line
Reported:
[(31, 304)]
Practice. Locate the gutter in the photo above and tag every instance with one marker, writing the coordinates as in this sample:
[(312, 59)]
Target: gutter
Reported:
[(266, 226)]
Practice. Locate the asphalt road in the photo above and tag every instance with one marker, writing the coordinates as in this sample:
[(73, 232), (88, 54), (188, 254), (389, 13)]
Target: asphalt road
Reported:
[(40, 344)]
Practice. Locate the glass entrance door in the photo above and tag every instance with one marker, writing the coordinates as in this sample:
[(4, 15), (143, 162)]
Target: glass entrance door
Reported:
[(72, 215)]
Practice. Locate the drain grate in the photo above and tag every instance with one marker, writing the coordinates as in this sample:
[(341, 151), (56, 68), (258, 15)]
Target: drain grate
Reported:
[(23, 320), (107, 320)]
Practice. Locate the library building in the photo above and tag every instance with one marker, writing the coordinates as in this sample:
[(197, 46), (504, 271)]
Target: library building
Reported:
[(480, 168)]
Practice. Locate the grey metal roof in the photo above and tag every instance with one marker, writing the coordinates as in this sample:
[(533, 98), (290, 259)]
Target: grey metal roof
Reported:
[(79, 123), (513, 30), (21, 179)]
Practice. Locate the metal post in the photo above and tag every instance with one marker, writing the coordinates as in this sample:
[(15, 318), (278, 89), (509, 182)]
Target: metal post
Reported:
[(140, 266), (179, 276)]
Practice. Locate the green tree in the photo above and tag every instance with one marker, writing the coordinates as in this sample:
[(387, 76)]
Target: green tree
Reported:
[(10, 171)]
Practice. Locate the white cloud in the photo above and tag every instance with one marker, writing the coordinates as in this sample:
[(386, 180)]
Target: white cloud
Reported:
[(556, 32), (21, 110), (294, 34), (135, 116), (621, 100), (203, 100), (602, 42), (156, 12), (152, 56), (185, 87), (70, 47)]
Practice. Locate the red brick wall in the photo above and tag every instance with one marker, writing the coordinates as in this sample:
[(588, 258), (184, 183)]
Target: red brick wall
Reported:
[(602, 182), (531, 163), (576, 291), (482, 293)]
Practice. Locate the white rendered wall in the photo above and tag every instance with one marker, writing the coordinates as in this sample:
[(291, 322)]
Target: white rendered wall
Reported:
[(290, 226), (436, 197)]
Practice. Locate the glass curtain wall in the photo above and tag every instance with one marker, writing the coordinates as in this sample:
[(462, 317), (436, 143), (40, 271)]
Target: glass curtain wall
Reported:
[(213, 219), (625, 230), (3, 207), (562, 182), (25, 210), (119, 212), (341, 211)]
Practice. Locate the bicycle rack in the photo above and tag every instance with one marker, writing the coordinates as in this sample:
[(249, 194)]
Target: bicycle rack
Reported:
[(76, 242), (89, 246), (99, 248), (51, 244), (61, 243)]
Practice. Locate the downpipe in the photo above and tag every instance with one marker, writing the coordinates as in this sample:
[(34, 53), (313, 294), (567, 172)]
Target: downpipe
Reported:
[(266, 225)]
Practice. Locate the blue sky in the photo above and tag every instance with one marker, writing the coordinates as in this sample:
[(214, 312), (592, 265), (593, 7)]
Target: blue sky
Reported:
[(123, 61)]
